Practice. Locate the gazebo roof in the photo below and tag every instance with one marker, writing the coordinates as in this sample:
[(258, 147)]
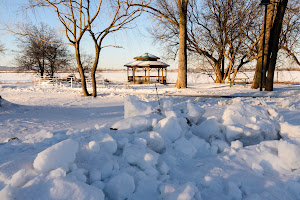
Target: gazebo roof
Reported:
[(147, 56), (147, 63)]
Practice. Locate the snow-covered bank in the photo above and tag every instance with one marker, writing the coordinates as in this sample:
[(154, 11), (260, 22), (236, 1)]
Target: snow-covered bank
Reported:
[(118, 146)]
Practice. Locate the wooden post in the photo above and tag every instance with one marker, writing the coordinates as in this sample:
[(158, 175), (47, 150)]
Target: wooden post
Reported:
[(133, 74), (148, 74), (162, 76)]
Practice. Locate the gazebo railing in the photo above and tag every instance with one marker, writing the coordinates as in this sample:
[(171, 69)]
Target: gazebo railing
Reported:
[(147, 79)]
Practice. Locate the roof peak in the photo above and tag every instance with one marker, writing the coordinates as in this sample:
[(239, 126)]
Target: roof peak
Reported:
[(147, 56)]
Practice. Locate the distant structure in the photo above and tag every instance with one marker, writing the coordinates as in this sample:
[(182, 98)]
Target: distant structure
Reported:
[(139, 71)]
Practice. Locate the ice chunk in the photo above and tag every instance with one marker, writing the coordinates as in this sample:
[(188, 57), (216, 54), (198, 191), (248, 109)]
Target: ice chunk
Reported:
[(120, 187), (61, 154)]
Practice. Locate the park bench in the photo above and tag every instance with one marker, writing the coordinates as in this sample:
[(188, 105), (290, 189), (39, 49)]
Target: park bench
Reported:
[(239, 81)]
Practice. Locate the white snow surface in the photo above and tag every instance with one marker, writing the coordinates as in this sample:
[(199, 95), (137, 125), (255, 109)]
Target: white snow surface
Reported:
[(129, 143)]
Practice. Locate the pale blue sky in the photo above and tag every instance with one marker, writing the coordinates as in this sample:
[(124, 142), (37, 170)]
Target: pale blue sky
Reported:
[(134, 41)]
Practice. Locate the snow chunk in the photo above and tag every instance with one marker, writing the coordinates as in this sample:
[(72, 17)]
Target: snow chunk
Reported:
[(134, 124), (147, 189), (61, 154), (236, 118), (94, 146), (19, 178), (233, 191), (236, 144), (184, 192), (220, 144), (208, 130), (134, 107), (289, 131), (108, 144), (138, 154), (120, 187), (169, 128), (194, 113), (289, 152), (65, 189), (185, 147), (154, 141)]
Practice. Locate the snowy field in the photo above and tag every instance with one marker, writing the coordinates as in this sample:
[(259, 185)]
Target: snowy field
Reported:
[(129, 143)]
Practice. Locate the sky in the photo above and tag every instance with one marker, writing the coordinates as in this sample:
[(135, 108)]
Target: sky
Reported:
[(134, 41)]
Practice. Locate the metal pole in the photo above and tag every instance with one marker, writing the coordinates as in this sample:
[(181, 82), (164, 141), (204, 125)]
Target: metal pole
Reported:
[(263, 51)]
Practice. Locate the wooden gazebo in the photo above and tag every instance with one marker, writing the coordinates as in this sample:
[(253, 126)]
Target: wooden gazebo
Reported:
[(139, 71)]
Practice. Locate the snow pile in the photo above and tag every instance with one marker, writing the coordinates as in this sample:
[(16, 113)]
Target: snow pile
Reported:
[(249, 123), (173, 153)]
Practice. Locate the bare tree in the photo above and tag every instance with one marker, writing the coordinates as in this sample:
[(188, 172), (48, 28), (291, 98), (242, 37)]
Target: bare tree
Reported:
[(1, 48), (39, 55), (99, 18), (282, 29), (216, 29)]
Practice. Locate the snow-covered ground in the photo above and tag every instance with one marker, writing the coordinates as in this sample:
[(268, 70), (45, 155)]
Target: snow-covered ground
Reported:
[(129, 143)]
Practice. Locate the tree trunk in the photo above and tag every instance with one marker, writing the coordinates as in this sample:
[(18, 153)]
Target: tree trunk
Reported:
[(218, 73), (276, 30), (257, 75), (93, 71), (182, 51), (81, 71)]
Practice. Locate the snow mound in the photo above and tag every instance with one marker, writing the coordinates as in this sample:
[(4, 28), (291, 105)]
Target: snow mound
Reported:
[(59, 155), (250, 124)]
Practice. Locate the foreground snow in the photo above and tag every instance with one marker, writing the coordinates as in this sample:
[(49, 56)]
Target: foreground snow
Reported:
[(121, 146)]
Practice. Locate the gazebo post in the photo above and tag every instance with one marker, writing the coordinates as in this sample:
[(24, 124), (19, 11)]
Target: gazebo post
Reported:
[(162, 76), (133, 74), (148, 69)]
